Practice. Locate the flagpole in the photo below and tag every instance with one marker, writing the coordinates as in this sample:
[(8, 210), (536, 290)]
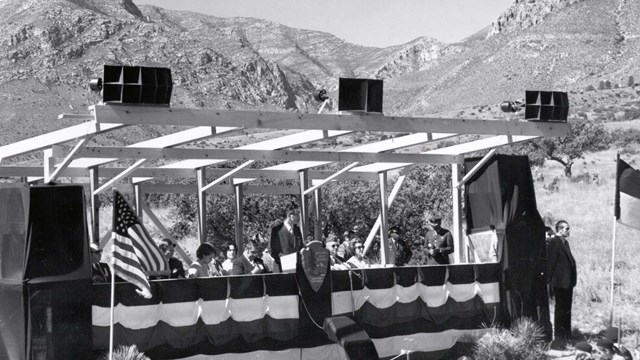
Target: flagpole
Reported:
[(113, 286), (613, 257), (616, 214)]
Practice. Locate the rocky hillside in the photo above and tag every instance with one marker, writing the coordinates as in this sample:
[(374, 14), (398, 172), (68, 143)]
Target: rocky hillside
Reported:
[(52, 48)]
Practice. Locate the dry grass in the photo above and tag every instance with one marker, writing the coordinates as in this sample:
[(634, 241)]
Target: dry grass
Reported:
[(588, 207)]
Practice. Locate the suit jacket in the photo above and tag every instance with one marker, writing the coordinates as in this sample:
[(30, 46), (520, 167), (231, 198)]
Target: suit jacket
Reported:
[(283, 242), (242, 266), (561, 266)]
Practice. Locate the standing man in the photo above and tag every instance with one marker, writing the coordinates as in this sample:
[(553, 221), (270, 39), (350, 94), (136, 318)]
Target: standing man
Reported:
[(286, 238), (439, 242), (562, 276)]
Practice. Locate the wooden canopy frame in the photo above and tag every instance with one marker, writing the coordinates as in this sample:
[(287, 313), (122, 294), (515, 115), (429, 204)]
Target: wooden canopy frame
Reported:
[(369, 161)]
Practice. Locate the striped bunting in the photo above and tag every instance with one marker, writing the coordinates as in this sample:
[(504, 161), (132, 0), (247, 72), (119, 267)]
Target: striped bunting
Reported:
[(627, 207), (422, 309), (135, 254)]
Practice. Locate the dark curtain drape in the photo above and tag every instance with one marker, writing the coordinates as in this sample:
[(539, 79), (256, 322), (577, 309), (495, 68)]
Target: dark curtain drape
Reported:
[(502, 194)]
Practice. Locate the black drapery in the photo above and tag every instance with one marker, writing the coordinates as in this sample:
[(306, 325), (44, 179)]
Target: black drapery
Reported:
[(502, 194)]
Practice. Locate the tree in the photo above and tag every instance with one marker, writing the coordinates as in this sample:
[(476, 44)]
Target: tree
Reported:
[(585, 136)]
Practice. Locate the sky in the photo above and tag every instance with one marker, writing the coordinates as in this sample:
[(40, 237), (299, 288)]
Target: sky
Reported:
[(378, 23)]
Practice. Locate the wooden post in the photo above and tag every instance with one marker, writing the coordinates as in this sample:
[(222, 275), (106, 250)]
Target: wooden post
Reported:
[(456, 175), (317, 202), (201, 176), (138, 194), (303, 174), (239, 195), (384, 240), (95, 204)]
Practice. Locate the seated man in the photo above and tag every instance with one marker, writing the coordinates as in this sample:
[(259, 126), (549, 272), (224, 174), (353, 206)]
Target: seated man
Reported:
[(176, 269), (249, 262)]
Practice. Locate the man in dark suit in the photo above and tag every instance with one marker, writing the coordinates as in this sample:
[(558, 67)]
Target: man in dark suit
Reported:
[(249, 262), (100, 272), (286, 238), (561, 275)]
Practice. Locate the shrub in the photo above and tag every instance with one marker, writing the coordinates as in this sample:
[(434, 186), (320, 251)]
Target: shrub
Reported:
[(524, 341), (126, 353)]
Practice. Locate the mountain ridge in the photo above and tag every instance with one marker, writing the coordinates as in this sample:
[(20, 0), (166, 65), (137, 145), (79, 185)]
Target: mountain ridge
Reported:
[(53, 48)]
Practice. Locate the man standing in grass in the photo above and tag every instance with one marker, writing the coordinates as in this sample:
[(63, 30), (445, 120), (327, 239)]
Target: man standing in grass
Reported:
[(562, 275)]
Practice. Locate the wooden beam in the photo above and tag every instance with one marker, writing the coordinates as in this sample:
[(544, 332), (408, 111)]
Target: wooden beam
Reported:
[(212, 173), (202, 205), (456, 174), (170, 140), (239, 197), (303, 182), (95, 202), (120, 176), (245, 155), (376, 225), (67, 160), (384, 207), (317, 212), (227, 175), (136, 115), (330, 178), (55, 137), (165, 232), (475, 169)]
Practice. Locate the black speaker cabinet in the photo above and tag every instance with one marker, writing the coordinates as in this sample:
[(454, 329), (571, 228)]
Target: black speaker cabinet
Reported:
[(45, 273), (546, 106), (136, 85), (360, 95), (351, 336)]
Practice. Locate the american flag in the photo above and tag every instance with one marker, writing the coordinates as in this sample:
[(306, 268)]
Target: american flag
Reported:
[(135, 254)]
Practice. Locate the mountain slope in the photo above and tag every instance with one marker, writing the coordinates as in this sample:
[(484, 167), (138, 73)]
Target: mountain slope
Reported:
[(53, 48)]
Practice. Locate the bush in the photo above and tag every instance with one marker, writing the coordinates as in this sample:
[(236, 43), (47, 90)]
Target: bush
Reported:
[(524, 341), (126, 353)]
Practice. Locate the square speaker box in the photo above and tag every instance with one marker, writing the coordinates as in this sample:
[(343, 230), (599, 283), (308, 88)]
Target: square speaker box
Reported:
[(546, 106), (360, 95), (137, 85)]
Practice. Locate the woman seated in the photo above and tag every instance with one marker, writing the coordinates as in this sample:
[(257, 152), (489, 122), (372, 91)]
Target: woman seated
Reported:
[(231, 252), (358, 260), (206, 265)]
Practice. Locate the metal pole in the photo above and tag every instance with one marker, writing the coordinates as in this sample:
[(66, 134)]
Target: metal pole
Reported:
[(613, 268)]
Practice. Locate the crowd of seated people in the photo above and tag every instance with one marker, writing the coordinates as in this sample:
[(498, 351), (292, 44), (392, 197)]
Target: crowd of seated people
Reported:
[(257, 255)]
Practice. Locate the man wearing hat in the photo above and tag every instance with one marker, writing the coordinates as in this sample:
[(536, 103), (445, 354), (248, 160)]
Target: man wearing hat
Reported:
[(439, 241), (100, 272), (175, 266)]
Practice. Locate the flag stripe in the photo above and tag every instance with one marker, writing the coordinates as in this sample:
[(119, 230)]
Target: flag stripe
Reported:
[(149, 250), (629, 210)]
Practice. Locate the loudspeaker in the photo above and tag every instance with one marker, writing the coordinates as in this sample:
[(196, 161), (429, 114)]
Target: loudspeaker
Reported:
[(351, 336), (360, 95), (136, 85), (546, 106), (45, 273), (57, 240)]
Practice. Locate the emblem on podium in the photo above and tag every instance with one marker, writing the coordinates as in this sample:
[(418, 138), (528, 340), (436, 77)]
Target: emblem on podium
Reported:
[(315, 262)]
